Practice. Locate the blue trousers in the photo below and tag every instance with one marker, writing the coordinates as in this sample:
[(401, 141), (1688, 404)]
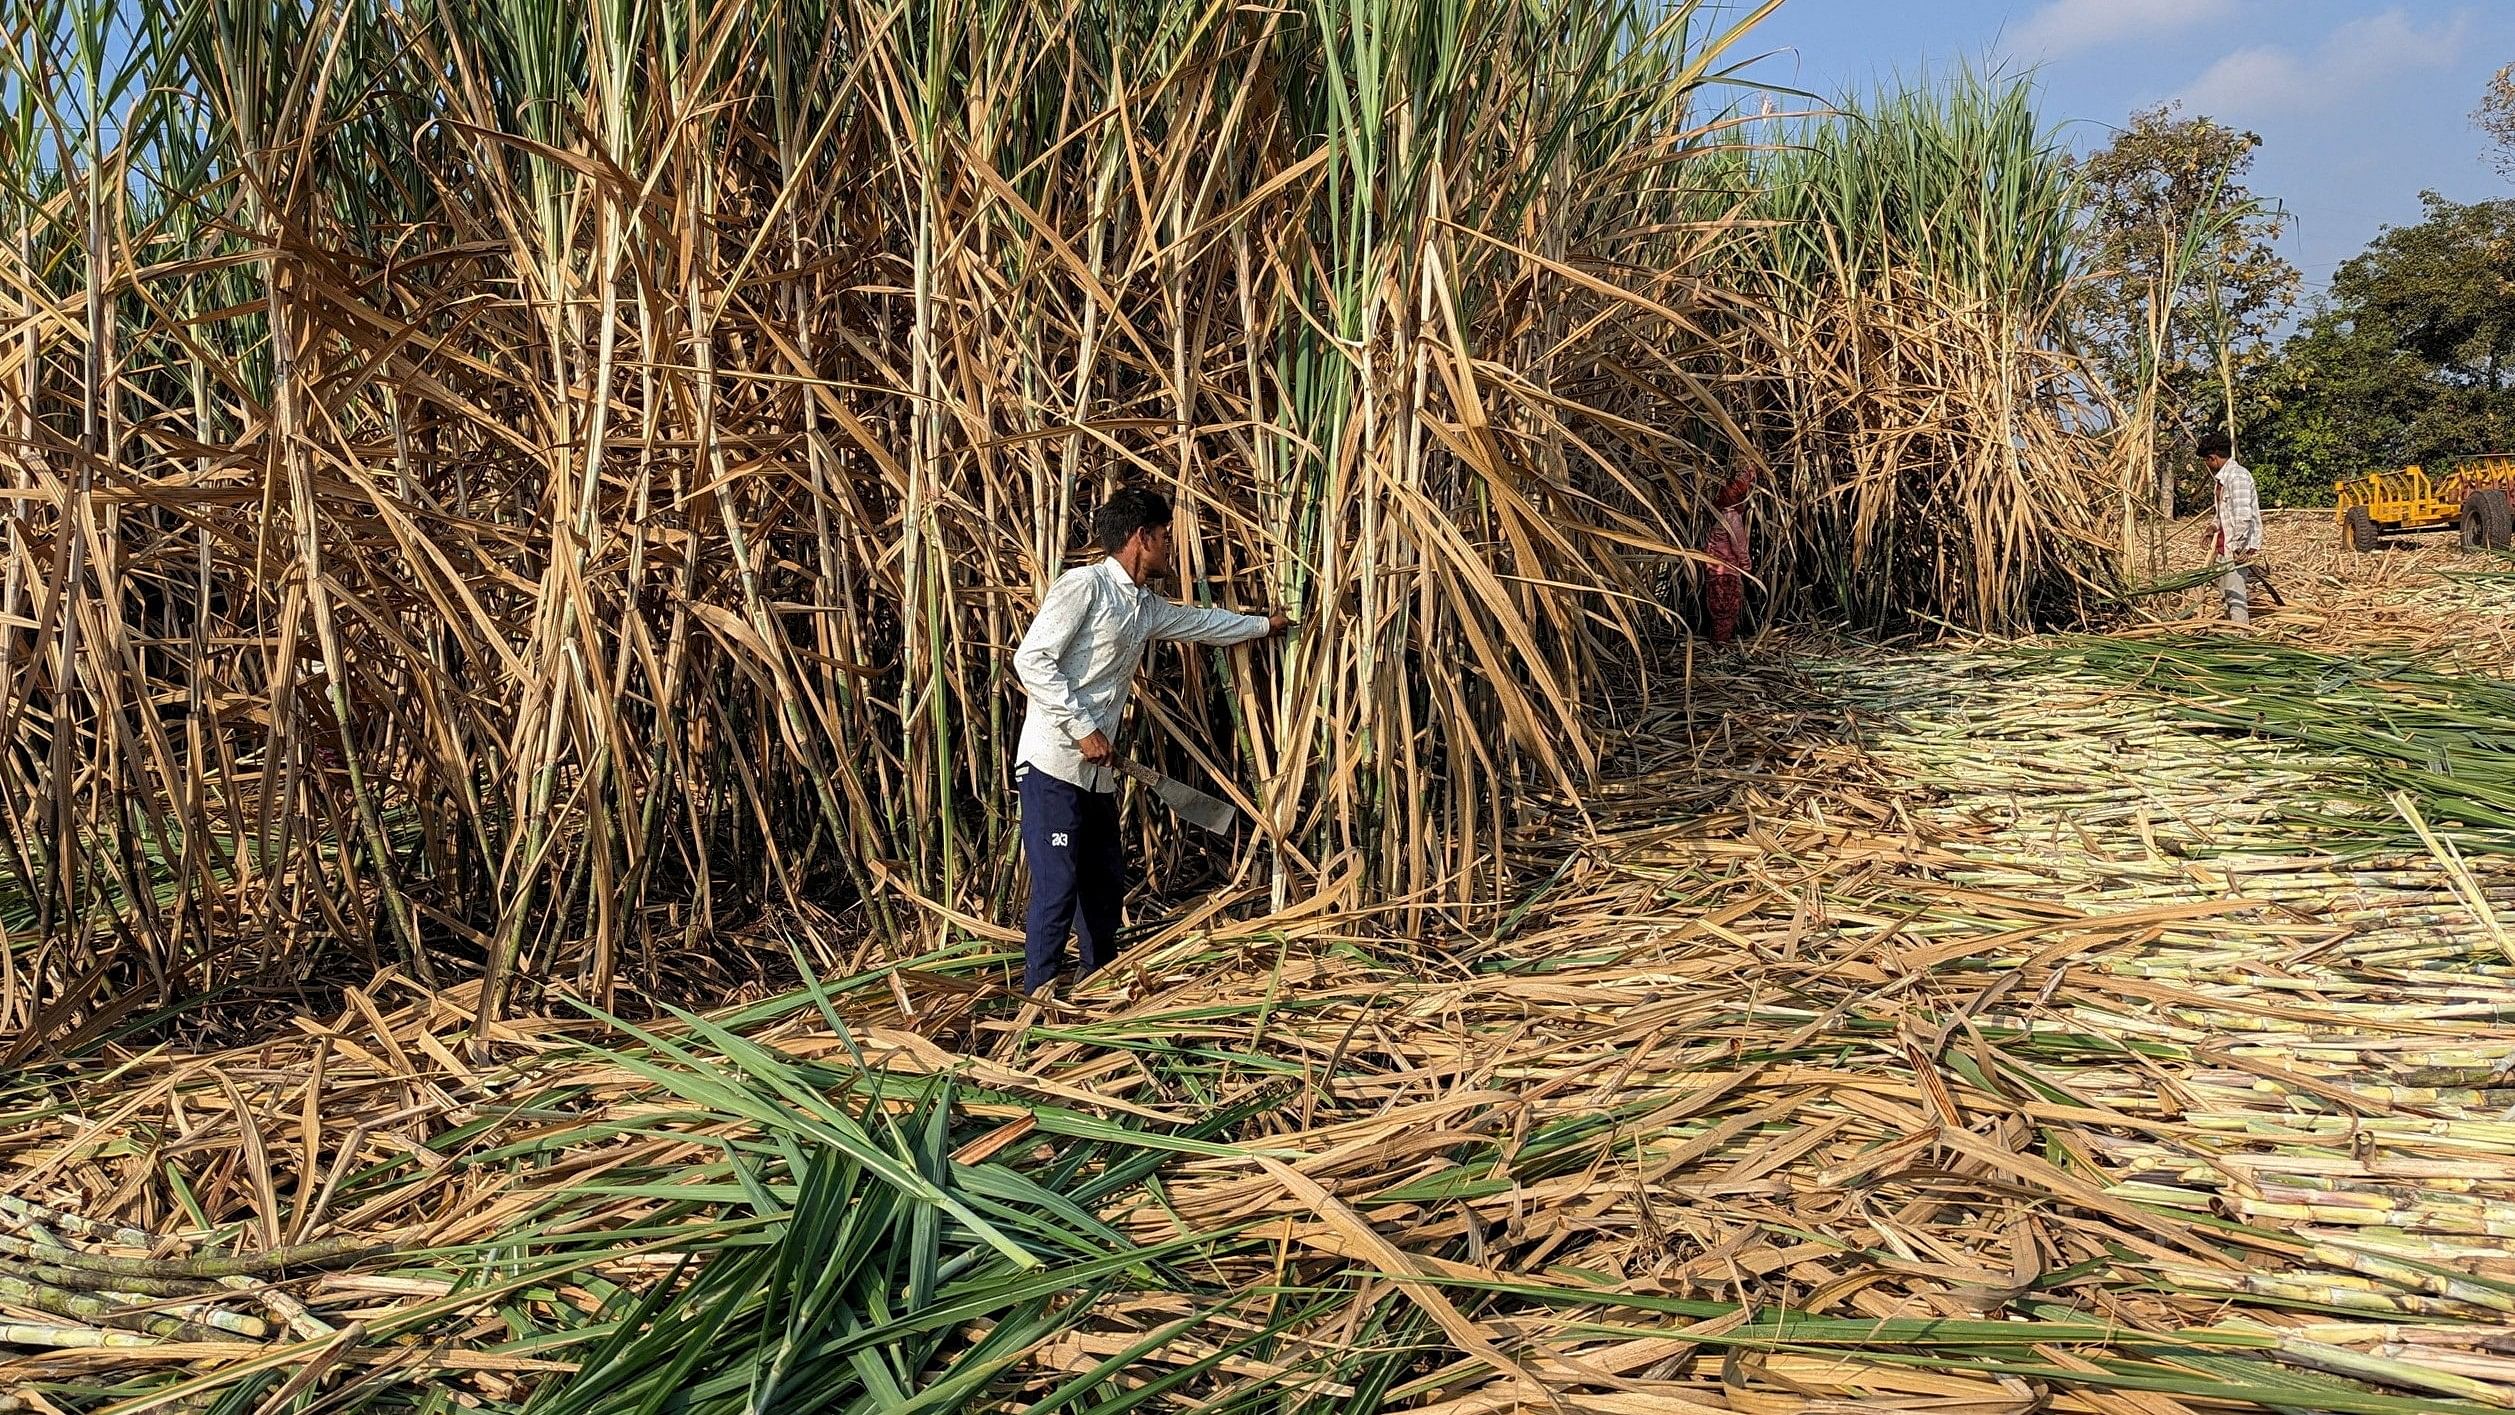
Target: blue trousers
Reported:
[(1077, 876)]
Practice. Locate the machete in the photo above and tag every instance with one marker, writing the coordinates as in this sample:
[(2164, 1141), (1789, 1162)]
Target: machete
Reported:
[(1193, 806)]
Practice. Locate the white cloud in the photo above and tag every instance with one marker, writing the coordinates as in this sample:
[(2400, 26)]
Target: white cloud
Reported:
[(2358, 57), (2067, 26)]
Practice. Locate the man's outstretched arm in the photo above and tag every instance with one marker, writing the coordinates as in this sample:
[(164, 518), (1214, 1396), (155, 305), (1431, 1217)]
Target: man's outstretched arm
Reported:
[(1188, 624)]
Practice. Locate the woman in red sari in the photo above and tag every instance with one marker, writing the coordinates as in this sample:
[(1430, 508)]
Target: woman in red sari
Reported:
[(1724, 585)]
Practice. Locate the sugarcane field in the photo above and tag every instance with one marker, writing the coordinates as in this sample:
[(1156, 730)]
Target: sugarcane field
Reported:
[(1604, 707)]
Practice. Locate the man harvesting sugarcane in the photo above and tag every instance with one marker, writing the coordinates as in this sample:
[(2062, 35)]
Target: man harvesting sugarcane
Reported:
[(1078, 663), (2239, 539)]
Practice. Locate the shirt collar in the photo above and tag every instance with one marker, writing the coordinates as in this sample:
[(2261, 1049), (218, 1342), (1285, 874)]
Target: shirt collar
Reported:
[(1117, 574)]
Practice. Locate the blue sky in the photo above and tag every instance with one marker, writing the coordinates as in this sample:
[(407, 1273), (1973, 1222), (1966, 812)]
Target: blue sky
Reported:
[(2360, 103)]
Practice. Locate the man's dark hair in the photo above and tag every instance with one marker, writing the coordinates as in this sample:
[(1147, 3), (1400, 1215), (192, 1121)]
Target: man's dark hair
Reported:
[(1130, 510), (2216, 444)]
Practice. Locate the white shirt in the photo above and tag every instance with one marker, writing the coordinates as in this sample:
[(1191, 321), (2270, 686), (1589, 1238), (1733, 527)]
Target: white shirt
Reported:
[(2239, 510), (1078, 661)]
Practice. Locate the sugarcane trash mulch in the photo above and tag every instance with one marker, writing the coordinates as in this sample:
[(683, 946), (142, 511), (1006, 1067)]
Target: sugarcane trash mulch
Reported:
[(2085, 1025)]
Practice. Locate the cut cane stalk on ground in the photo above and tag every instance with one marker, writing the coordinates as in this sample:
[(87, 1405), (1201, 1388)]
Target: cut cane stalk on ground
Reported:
[(1973, 1026)]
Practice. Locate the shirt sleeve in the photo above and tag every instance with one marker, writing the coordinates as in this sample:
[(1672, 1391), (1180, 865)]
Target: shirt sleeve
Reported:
[(1183, 623), (1038, 662)]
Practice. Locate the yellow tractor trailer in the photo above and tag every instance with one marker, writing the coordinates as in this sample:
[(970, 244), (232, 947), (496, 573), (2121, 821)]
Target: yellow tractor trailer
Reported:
[(2474, 500)]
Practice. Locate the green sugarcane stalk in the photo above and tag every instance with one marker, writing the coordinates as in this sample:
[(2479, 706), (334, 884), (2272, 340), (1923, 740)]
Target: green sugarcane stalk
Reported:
[(70, 1338), (328, 1252), (96, 1310), (2407, 1375), (93, 1281)]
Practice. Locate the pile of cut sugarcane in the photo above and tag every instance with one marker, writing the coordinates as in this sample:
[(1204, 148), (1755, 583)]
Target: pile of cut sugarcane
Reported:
[(65, 1265), (2359, 1012), (2010, 1030)]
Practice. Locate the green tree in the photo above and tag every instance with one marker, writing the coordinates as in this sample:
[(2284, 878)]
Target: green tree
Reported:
[(2338, 400), (2444, 289), (2496, 117), (2410, 359), (2189, 289)]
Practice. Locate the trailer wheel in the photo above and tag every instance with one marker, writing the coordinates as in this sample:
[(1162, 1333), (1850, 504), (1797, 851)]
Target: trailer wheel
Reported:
[(2497, 519), (2475, 535), (2358, 531)]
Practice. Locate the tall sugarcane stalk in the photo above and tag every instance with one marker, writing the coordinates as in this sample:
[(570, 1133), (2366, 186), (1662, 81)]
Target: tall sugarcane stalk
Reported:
[(1917, 254), (616, 447)]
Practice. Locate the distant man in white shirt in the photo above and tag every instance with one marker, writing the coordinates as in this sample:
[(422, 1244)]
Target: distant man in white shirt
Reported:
[(1078, 663), (2239, 528)]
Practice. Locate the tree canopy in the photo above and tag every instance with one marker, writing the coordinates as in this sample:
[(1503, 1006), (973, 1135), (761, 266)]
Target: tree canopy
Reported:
[(2410, 358), (2496, 117), (2188, 287)]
